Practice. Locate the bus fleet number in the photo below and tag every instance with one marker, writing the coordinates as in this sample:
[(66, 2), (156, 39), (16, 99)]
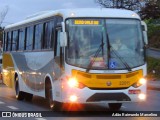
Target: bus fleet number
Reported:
[(124, 83)]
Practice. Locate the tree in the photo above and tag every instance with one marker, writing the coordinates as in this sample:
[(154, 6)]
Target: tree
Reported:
[(1, 34), (151, 10), (3, 14), (125, 4)]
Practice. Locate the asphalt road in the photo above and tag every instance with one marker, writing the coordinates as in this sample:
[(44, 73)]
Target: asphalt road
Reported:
[(9, 103), (155, 53)]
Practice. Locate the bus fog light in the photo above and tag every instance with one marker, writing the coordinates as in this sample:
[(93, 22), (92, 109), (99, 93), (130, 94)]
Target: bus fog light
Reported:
[(73, 98), (142, 96)]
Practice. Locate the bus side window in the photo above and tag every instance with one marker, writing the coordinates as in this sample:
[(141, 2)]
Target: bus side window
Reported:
[(38, 37), (4, 41), (15, 40), (29, 38), (48, 35), (8, 43), (21, 39)]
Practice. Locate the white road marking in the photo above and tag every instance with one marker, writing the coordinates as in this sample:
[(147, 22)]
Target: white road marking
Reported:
[(40, 119), (123, 107), (2, 102), (12, 107)]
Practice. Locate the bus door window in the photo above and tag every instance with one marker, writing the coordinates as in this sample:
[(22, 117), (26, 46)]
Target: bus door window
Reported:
[(59, 56)]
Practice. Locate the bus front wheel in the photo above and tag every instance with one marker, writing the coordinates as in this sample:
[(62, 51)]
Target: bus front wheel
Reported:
[(115, 106), (19, 94), (54, 105)]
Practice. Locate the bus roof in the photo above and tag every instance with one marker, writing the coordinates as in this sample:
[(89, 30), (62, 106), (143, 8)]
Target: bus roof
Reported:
[(79, 12)]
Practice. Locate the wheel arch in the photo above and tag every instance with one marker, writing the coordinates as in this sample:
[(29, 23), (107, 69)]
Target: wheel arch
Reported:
[(15, 76), (48, 83)]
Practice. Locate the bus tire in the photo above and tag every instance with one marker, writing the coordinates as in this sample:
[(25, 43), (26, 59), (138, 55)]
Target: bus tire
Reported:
[(115, 106), (54, 105), (28, 96), (20, 95)]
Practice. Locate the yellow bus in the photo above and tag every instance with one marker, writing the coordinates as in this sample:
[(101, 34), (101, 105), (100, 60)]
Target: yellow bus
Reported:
[(81, 56)]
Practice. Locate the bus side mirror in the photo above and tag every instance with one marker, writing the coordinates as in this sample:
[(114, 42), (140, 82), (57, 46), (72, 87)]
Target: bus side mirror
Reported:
[(144, 28), (63, 39)]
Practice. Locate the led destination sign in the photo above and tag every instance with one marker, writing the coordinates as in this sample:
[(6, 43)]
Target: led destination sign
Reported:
[(86, 22)]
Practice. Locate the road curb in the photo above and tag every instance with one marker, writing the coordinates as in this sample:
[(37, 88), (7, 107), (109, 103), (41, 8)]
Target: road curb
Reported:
[(153, 88), (156, 49), (153, 84)]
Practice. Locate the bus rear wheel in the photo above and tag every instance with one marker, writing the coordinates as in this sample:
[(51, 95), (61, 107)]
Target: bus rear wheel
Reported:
[(19, 94), (115, 106)]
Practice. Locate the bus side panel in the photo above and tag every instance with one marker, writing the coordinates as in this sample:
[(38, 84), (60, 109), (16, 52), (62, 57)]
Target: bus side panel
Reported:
[(8, 70), (32, 68)]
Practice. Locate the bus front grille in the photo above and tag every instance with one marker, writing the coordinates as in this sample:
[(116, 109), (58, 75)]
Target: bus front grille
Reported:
[(108, 97)]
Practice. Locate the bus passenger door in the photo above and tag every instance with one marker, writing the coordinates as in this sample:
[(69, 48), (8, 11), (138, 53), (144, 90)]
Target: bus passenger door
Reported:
[(58, 54)]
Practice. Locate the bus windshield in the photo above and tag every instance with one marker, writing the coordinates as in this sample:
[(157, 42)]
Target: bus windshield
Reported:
[(105, 43)]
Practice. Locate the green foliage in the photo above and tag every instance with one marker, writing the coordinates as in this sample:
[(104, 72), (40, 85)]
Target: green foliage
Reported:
[(152, 28), (151, 10), (153, 65), (153, 32)]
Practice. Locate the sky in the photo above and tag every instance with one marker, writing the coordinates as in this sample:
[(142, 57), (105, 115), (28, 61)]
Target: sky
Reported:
[(20, 9)]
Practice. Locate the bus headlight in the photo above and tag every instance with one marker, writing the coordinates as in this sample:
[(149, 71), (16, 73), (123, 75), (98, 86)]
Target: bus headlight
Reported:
[(5, 71), (73, 82), (141, 81)]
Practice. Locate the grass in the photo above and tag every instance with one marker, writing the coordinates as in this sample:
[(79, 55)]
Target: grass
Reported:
[(153, 68)]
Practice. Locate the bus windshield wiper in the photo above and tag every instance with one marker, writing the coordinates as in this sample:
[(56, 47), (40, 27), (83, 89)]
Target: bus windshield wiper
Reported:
[(116, 53), (121, 59), (95, 55)]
